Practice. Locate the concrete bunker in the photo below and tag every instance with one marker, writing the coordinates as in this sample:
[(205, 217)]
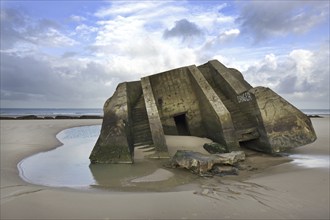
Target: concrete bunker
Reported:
[(210, 101)]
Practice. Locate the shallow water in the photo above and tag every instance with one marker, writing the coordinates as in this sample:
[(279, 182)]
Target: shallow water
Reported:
[(65, 166), (69, 166)]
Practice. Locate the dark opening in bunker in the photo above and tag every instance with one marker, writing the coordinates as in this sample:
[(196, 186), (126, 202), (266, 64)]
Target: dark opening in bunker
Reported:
[(181, 124)]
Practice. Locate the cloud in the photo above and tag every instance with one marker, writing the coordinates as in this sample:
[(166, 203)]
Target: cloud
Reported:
[(85, 31), (84, 28), (133, 45), (9, 34), (69, 54), (220, 41), (143, 9), (301, 75), (183, 29), (77, 18), (126, 8), (263, 19), (48, 63), (52, 38), (232, 33), (154, 36), (19, 30), (65, 82)]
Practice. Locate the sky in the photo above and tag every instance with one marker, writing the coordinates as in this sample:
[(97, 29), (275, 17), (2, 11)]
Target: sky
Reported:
[(73, 54)]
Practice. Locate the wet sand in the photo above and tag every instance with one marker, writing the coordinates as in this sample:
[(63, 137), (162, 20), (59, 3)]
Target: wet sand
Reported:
[(267, 189)]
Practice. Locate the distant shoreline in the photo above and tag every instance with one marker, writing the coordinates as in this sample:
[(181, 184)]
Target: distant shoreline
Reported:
[(315, 116), (35, 117), (92, 113)]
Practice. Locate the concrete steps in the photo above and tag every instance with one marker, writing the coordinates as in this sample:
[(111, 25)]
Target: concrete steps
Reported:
[(141, 129), (141, 152)]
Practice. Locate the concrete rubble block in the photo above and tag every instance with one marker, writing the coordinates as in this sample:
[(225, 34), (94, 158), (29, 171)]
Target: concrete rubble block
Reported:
[(224, 170), (215, 148), (201, 164)]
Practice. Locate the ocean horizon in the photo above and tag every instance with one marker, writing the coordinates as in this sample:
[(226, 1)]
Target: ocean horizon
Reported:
[(42, 112)]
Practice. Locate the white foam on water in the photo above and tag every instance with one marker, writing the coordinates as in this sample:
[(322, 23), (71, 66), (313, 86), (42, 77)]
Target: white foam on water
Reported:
[(311, 161)]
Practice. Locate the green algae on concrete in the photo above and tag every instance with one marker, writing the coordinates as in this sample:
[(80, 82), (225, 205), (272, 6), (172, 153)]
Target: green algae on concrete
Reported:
[(113, 145)]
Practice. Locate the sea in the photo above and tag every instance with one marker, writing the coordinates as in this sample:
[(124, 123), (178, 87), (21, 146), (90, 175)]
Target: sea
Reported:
[(42, 112), (316, 111)]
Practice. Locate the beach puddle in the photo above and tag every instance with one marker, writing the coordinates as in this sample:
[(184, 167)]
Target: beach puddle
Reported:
[(69, 166)]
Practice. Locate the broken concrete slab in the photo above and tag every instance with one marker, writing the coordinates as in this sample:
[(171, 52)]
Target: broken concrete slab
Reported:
[(224, 170), (201, 164), (215, 148)]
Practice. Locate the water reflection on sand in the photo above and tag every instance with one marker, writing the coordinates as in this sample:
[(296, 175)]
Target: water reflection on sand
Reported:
[(69, 166)]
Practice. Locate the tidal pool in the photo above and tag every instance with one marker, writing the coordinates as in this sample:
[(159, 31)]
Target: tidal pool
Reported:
[(69, 166)]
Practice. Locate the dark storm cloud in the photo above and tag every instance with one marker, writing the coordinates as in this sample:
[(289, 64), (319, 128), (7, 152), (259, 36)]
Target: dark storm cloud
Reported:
[(183, 28), (25, 75), (288, 85), (27, 79), (263, 19), (291, 84)]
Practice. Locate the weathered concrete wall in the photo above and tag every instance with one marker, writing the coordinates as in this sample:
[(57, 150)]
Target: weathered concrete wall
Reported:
[(282, 126), (174, 95), (216, 118), (228, 80), (247, 105), (112, 145), (156, 128), (245, 101), (239, 76), (231, 87)]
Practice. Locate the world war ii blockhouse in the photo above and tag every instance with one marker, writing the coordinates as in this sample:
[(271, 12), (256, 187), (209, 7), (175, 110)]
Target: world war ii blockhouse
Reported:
[(210, 101)]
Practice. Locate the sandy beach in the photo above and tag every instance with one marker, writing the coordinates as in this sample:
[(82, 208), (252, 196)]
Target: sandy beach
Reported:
[(274, 189)]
